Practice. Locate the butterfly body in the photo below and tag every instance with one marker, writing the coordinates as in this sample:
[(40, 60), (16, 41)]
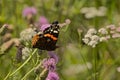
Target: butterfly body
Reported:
[(48, 39)]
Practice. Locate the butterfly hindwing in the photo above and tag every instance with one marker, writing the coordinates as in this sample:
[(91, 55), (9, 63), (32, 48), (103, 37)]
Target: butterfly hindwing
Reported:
[(48, 39)]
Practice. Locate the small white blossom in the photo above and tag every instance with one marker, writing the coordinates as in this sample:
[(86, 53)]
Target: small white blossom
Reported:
[(88, 35), (95, 38), (103, 31), (27, 34), (90, 15), (118, 29), (108, 37), (103, 39), (91, 12), (93, 43), (118, 69), (26, 52), (101, 11), (85, 40), (92, 31), (84, 10), (112, 27), (116, 35)]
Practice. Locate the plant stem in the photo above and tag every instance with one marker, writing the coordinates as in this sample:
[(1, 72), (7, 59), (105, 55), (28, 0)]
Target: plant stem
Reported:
[(27, 74), (23, 63)]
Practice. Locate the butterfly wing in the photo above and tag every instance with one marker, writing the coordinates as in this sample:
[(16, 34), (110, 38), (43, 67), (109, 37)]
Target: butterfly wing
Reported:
[(47, 40)]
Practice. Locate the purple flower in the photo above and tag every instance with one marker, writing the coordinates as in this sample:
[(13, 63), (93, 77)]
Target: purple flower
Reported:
[(43, 27), (49, 64), (52, 76), (43, 20), (43, 23), (29, 11), (53, 55)]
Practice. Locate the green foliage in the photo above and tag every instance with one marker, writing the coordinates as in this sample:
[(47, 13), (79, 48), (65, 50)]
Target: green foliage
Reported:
[(77, 61)]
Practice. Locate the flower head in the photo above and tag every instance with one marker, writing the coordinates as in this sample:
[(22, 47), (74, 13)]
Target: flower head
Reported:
[(49, 64), (103, 39), (29, 11), (52, 76), (92, 31), (53, 55), (103, 31), (91, 12), (26, 52), (27, 34), (43, 20)]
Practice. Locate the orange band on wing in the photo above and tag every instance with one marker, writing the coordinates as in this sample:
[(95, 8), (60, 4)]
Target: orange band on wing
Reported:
[(51, 36)]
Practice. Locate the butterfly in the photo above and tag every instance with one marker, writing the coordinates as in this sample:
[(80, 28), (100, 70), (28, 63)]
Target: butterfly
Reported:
[(48, 39)]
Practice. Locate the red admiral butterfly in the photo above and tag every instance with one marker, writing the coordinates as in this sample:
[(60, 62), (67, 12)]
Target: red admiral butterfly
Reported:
[(47, 40)]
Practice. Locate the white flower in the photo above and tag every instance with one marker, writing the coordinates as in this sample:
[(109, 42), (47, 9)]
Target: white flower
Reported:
[(112, 27), (91, 12), (93, 43), (27, 34), (118, 69), (26, 52), (103, 31), (108, 37), (101, 11), (95, 38), (86, 40), (90, 15), (84, 10), (92, 31), (88, 35), (103, 39), (116, 35)]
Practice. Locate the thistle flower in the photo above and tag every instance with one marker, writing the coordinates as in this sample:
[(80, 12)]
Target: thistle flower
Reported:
[(27, 34), (43, 20), (29, 11), (52, 54), (52, 76), (49, 64)]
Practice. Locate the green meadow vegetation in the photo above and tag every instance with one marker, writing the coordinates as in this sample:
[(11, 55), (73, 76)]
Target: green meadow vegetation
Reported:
[(87, 46)]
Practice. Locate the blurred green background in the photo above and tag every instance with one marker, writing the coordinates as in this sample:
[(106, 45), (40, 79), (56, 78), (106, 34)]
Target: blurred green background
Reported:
[(76, 59)]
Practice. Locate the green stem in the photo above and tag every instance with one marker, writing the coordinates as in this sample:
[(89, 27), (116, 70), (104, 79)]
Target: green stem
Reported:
[(27, 74), (24, 77), (95, 63), (23, 63), (7, 76)]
